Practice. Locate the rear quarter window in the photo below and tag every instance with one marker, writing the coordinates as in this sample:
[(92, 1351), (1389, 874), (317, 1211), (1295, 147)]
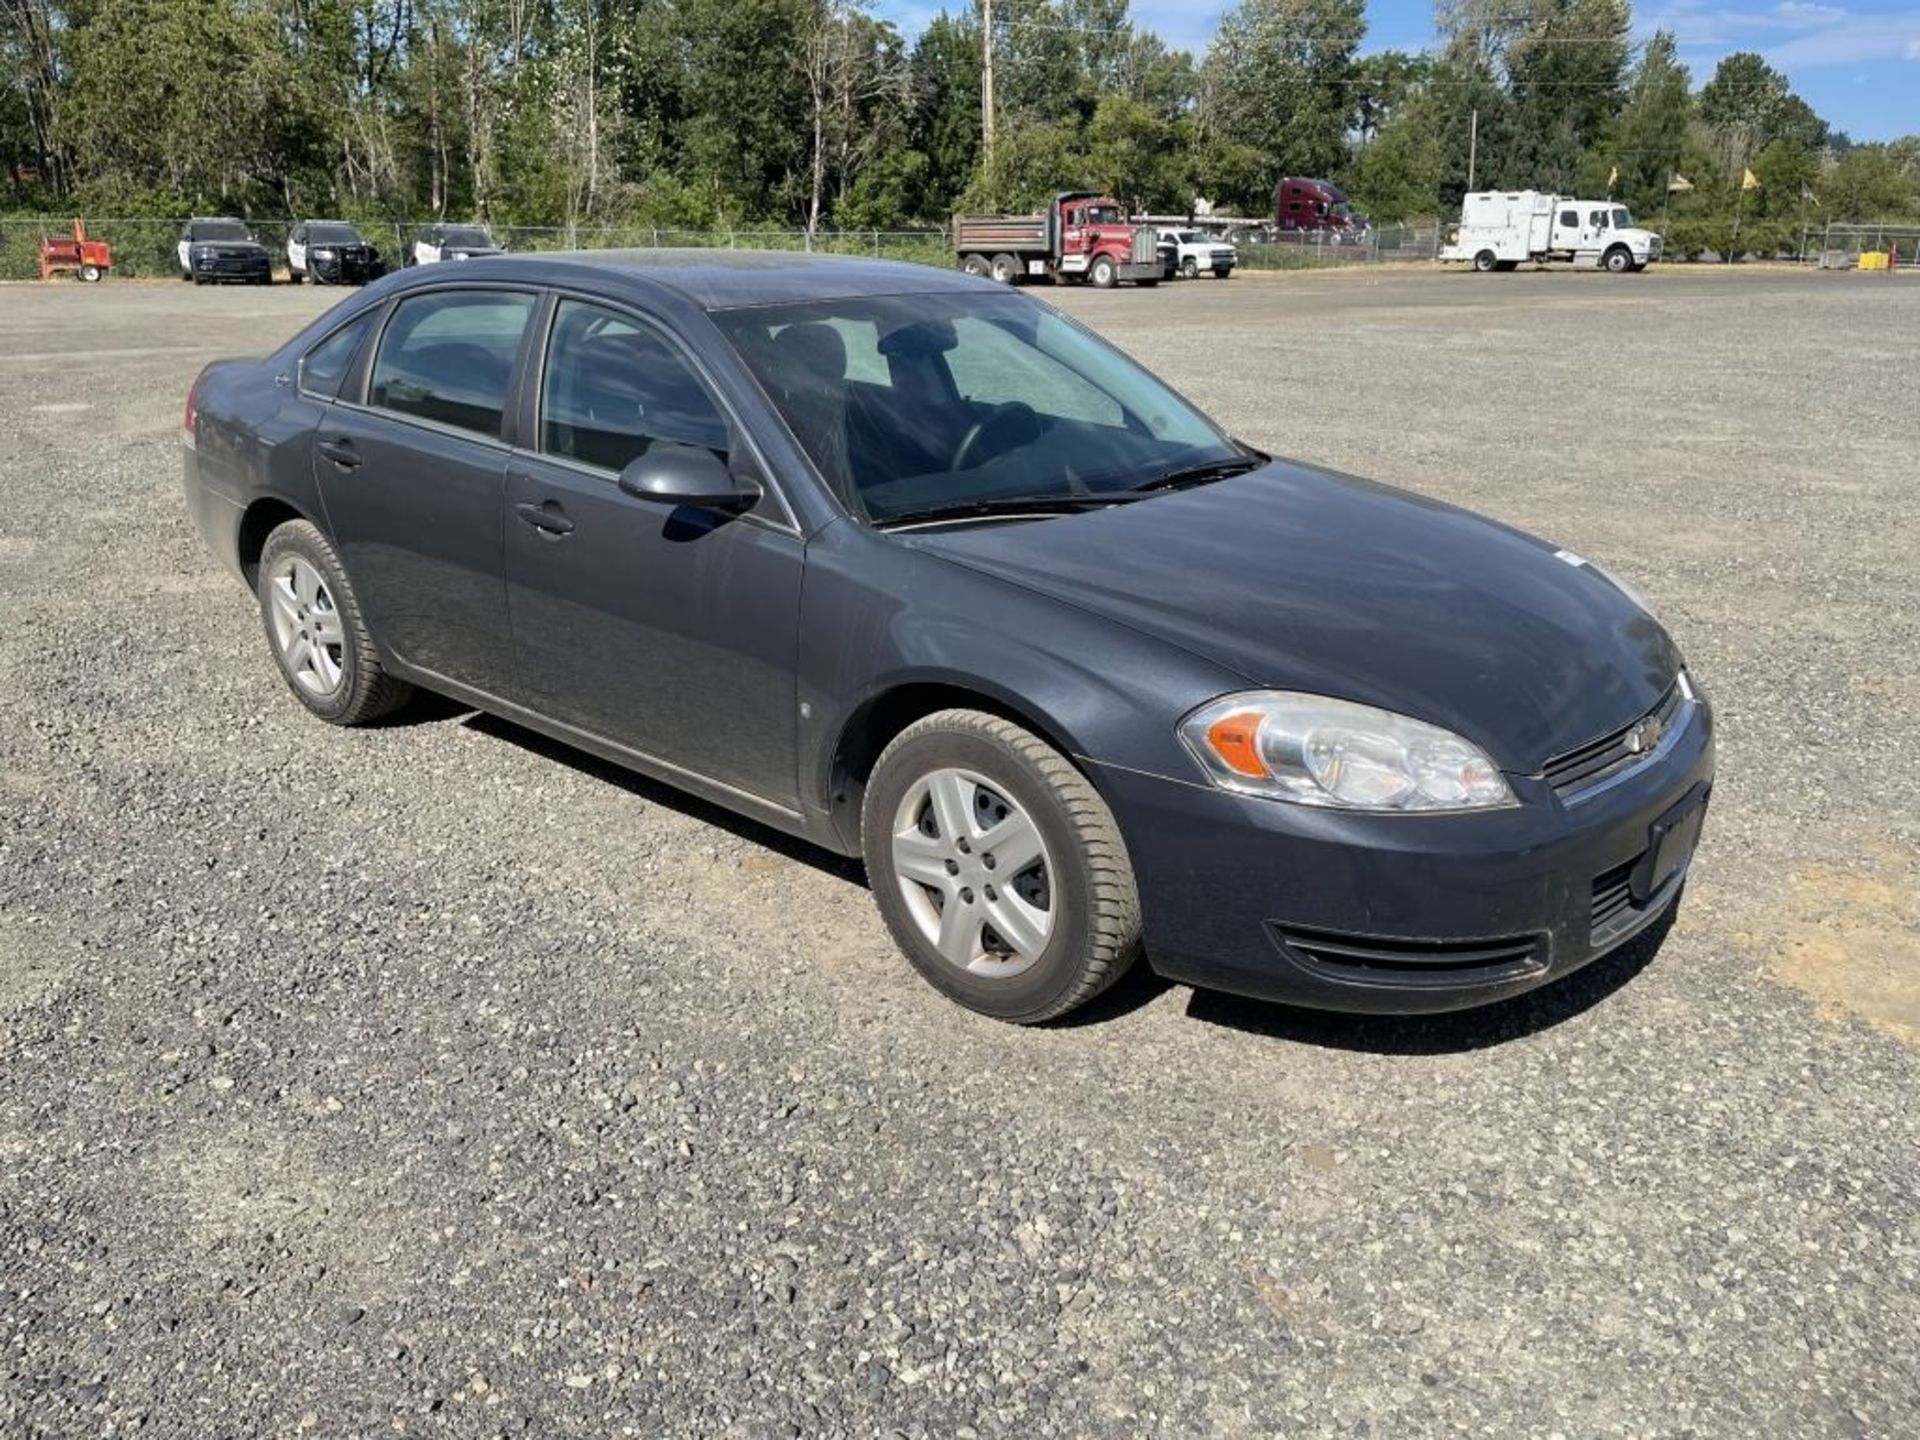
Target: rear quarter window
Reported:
[(325, 366)]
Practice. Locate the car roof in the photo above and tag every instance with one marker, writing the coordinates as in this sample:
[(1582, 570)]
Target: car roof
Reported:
[(715, 279)]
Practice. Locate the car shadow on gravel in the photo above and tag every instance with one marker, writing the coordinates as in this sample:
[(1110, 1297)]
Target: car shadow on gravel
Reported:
[(656, 792), (1462, 1030)]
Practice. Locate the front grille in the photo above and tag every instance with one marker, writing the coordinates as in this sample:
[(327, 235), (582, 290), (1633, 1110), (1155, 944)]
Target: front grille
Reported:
[(1580, 770), (1146, 246), (1377, 959)]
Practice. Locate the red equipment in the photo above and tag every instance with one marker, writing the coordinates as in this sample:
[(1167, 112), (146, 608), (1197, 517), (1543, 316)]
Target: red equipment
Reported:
[(75, 255)]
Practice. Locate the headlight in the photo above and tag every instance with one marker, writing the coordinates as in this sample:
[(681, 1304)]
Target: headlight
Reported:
[(1314, 750), (323, 254)]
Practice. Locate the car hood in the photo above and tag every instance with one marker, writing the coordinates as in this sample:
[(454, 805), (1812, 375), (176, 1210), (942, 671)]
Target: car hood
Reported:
[(1296, 578)]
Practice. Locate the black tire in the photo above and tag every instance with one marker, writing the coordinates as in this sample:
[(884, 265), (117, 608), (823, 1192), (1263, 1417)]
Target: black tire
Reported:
[(1095, 934), (1103, 272), (1190, 268), (366, 691), (976, 265), (91, 274), (1619, 260), (1224, 273), (1006, 269), (1486, 262)]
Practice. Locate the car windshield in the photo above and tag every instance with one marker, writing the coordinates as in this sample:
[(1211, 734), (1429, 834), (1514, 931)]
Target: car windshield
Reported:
[(1191, 237), (220, 230), (465, 235), (329, 233), (1104, 215), (911, 404), (1622, 219)]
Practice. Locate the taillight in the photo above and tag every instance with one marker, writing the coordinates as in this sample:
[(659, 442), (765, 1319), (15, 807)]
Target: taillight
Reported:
[(190, 421)]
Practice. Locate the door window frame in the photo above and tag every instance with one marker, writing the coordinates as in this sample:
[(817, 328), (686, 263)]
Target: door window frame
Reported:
[(532, 382), (353, 389)]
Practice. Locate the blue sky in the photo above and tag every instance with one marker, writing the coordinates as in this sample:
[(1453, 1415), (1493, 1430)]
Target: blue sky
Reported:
[(1857, 63)]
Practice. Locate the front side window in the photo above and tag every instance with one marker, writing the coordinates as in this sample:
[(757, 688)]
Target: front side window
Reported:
[(447, 356), (614, 389), (324, 366), (912, 403)]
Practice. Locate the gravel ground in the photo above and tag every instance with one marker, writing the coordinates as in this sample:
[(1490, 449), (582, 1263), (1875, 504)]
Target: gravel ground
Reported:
[(432, 1079)]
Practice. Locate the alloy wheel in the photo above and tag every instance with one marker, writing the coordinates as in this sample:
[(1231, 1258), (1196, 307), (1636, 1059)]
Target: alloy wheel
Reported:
[(307, 629), (974, 872)]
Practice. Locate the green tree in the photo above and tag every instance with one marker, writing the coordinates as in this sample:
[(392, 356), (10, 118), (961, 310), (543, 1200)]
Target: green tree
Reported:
[(1647, 140), (1276, 84)]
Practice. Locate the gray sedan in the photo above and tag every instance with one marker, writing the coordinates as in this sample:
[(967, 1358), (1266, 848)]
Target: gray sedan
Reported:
[(919, 569)]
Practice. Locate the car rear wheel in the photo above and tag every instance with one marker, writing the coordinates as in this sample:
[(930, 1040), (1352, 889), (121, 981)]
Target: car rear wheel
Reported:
[(976, 265), (998, 868), (1006, 269), (315, 629)]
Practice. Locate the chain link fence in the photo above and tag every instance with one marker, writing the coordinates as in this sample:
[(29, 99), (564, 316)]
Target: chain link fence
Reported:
[(147, 248), (1266, 249), (1839, 246)]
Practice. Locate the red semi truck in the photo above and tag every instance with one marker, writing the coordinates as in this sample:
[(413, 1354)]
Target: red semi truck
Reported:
[(1080, 236), (1300, 203)]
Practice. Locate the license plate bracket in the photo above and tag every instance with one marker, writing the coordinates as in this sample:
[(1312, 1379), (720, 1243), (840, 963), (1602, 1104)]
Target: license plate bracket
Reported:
[(1670, 845)]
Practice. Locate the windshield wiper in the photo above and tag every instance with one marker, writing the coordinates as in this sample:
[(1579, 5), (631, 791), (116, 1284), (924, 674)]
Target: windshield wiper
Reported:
[(1008, 505), (1182, 476)]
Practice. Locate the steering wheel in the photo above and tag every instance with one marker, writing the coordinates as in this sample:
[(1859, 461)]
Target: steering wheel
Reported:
[(1011, 424)]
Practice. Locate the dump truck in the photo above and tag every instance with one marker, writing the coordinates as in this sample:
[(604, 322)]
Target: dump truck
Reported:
[(1081, 235)]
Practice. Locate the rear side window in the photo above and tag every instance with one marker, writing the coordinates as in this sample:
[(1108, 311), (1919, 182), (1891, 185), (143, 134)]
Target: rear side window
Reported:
[(448, 356), (1570, 219), (614, 389), (324, 366)]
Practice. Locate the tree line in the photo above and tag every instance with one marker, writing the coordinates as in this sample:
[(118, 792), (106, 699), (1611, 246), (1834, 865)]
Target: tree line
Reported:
[(821, 113)]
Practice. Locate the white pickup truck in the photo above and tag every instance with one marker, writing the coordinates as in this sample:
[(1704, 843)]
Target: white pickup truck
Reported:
[(1499, 229), (1194, 251)]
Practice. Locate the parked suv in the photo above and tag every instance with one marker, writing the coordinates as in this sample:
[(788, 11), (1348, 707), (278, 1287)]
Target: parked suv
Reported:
[(444, 241), (219, 247), (331, 252), (1195, 251)]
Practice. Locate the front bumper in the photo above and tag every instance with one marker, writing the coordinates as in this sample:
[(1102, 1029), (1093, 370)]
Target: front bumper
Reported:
[(216, 266), (1153, 269), (345, 269), (1398, 914)]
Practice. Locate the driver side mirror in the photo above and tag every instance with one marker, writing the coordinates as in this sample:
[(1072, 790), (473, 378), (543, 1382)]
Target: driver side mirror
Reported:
[(687, 475)]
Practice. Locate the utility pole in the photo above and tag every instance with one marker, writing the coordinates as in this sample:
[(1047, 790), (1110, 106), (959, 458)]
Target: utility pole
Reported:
[(1473, 147), (986, 77)]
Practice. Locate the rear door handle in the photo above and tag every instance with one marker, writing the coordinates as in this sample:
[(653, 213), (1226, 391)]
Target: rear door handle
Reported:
[(549, 519), (341, 452)]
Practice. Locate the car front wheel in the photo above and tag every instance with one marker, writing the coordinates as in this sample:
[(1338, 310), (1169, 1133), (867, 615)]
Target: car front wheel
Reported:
[(316, 631), (998, 868)]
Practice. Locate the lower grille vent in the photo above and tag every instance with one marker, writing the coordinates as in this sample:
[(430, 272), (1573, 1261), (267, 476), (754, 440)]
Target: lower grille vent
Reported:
[(1364, 957)]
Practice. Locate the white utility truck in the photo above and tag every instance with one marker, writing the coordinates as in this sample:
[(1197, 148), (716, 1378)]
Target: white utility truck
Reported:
[(1500, 228)]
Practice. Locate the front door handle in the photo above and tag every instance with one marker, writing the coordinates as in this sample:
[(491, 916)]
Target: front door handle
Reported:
[(549, 519), (341, 452)]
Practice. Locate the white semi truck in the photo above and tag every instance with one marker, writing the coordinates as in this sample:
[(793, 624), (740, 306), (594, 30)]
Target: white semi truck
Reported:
[(1499, 229)]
